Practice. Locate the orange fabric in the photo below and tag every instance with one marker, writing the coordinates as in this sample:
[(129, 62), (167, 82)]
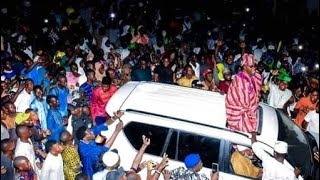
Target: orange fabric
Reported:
[(304, 105)]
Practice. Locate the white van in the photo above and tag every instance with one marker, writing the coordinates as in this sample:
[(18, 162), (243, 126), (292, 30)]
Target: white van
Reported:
[(181, 120)]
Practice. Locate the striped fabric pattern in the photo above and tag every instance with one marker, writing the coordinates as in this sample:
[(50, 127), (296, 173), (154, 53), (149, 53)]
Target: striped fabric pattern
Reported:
[(242, 102)]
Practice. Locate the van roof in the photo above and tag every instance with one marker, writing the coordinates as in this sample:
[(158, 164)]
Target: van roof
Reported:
[(172, 101)]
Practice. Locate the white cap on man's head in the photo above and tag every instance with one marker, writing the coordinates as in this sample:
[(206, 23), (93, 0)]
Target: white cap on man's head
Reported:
[(110, 158), (281, 147), (241, 148)]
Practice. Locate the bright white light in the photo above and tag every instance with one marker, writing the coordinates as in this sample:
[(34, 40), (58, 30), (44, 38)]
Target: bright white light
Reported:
[(46, 20), (303, 69), (247, 9), (244, 25), (300, 47), (316, 66), (112, 15)]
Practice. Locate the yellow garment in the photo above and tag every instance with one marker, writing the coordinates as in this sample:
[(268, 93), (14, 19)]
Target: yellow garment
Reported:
[(243, 166), (220, 68), (184, 81), (71, 160)]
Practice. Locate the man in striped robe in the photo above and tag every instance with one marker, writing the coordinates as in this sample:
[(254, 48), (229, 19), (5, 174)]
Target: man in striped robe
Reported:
[(243, 97)]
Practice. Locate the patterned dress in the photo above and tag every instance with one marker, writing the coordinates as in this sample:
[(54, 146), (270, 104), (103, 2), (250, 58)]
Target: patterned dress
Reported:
[(242, 102)]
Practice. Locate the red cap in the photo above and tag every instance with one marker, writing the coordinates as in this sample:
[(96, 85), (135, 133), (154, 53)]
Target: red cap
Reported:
[(205, 72)]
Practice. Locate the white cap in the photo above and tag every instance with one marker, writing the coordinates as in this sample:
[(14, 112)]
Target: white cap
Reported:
[(241, 148), (110, 158), (281, 147), (271, 47)]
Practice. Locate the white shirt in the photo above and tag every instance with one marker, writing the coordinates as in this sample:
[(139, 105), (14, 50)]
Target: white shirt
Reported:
[(312, 118), (277, 98), (23, 101), (26, 149), (196, 69), (101, 175), (52, 168), (272, 169)]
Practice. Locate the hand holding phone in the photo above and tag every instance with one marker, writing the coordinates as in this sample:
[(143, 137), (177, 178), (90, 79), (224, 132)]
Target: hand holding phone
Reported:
[(215, 167)]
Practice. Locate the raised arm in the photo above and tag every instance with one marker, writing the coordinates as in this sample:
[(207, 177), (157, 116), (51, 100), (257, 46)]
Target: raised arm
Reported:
[(138, 158)]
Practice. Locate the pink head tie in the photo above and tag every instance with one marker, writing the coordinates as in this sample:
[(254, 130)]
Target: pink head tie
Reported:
[(247, 59)]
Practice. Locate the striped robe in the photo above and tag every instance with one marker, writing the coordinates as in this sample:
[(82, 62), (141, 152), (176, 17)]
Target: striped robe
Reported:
[(242, 102)]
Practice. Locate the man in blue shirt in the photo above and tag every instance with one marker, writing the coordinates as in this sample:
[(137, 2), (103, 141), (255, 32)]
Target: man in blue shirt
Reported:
[(142, 73), (61, 91), (55, 122), (90, 151)]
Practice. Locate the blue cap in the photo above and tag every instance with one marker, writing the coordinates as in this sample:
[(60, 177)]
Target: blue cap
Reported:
[(191, 160)]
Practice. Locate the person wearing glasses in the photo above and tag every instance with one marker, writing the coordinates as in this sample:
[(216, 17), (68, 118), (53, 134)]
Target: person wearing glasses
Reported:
[(243, 97)]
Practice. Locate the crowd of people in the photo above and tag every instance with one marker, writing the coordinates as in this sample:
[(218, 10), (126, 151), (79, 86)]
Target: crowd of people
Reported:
[(57, 76)]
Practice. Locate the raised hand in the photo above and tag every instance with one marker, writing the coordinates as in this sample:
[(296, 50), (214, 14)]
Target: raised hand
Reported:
[(146, 141)]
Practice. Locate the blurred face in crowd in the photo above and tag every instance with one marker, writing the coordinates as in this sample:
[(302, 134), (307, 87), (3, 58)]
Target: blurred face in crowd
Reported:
[(25, 132), (101, 69), (227, 76), (143, 64), (89, 134), (314, 96), (314, 83), (249, 69), (29, 85), (4, 86), (25, 165), (54, 102), (105, 87), (91, 76), (62, 82), (189, 72), (166, 62), (298, 92), (209, 77), (229, 59), (57, 148), (74, 69), (172, 56), (8, 66), (112, 74), (62, 72), (248, 153), (283, 85), (198, 167), (3, 115), (28, 62), (33, 117), (10, 109), (38, 93)]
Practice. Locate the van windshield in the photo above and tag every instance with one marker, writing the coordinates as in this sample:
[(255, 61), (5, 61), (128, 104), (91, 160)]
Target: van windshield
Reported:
[(299, 153)]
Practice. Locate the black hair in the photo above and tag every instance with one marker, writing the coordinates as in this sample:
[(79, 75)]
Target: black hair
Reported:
[(49, 144), (17, 160), (4, 143), (6, 104), (28, 110), (62, 136), (19, 129), (37, 87), (88, 71), (49, 97), (106, 80), (81, 132), (82, 176)]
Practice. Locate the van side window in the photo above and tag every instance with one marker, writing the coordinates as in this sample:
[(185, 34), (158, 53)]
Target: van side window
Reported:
[(135, 130), (208, 148)]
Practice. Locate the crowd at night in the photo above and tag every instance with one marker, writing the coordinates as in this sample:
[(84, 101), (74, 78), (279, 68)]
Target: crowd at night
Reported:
[(61, 62)]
